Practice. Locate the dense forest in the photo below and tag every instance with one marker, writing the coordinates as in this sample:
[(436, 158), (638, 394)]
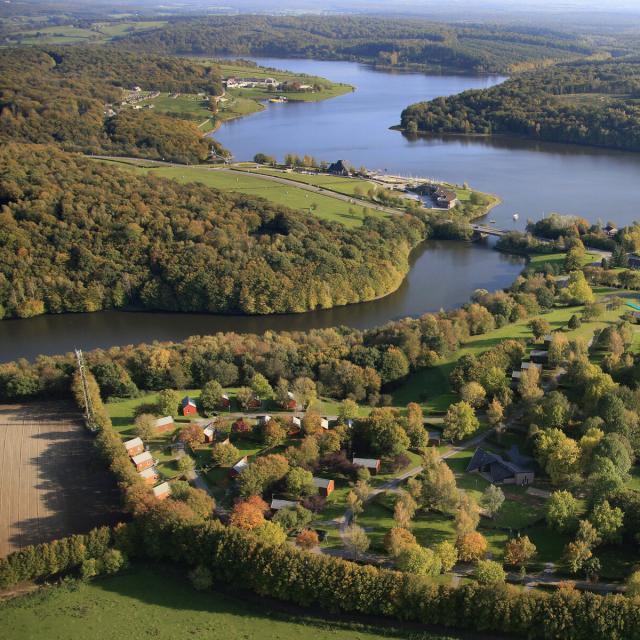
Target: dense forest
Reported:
[(583, 102), (387, 41), (78, 235), (60, 96)]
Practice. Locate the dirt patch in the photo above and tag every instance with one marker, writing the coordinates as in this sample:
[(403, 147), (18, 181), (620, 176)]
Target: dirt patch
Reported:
[(53, 481)]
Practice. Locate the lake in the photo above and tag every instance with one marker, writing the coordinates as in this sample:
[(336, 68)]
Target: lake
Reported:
[(531, 178)]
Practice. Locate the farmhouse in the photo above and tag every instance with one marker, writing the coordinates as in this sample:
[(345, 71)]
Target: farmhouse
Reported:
[(372, 464), (163, 425), (530, 365), (324, 423), (189, 407), (498, 470), (297, 422), (162, 491), (143, 461), (435, 439), (277, 504), (239, 467), (325, 487), (150, 475), (225, 401), (134, 446)]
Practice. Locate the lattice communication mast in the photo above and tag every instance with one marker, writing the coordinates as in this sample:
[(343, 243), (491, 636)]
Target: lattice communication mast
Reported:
[(88, 411)]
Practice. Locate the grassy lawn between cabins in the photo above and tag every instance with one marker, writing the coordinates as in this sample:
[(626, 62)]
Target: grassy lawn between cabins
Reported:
[(159, 602)]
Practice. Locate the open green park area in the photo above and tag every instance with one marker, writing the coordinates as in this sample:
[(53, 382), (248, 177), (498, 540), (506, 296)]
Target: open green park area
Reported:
[(321, 205), (159, 602)]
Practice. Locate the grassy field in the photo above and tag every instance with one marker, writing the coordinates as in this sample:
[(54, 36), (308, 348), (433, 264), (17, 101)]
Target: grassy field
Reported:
[(346, 186), (68, 34), (326, 207), (160, 603)]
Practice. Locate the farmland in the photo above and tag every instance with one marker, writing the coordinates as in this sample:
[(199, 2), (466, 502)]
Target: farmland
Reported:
[(53, 483)]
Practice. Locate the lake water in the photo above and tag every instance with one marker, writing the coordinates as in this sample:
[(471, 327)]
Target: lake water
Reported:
[(531, 178)]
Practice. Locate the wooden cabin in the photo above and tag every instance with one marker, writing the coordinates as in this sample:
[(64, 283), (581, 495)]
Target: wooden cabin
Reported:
[(150, 475), (164, 425), (134, 446), (325, 486), (373, 464), (162, 491), (143, 461)]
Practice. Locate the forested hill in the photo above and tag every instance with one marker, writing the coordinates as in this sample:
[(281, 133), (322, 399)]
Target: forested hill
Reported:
[(80, 235), (60, 95), (584, 102), (387, 41)]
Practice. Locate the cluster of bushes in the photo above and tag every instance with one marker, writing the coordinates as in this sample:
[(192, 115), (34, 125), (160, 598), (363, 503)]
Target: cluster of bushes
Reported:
[(92, 553)]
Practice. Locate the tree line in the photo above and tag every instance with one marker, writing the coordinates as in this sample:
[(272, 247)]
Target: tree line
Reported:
[(386, 41), (80, 235), (532, 105), (63, 95)]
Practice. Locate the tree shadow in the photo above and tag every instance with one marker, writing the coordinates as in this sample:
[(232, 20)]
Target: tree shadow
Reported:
[(75, 491)]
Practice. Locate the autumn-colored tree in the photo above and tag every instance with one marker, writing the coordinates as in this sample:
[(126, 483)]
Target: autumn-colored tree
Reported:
[(460, 421), (529, 385), (418, 435), (311, 423), (246, 516), (489, 572), (191, 435), (397, 538), (472, 546), (356, 540), (519, 551), (473, 393), (448, 555), (224, 454), (307, 539), (167, 403), (273, 434), (258, 503), (467, 515), (144, 426)]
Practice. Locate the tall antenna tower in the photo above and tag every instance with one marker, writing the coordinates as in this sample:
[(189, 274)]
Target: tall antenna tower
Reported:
[(88, 407)]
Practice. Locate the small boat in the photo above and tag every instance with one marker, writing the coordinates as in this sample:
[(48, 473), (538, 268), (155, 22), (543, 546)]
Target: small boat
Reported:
[(278, 99), (516, 216), (492, 221)]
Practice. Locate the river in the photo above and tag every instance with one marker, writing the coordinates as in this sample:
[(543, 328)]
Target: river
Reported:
[(531, 178)]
